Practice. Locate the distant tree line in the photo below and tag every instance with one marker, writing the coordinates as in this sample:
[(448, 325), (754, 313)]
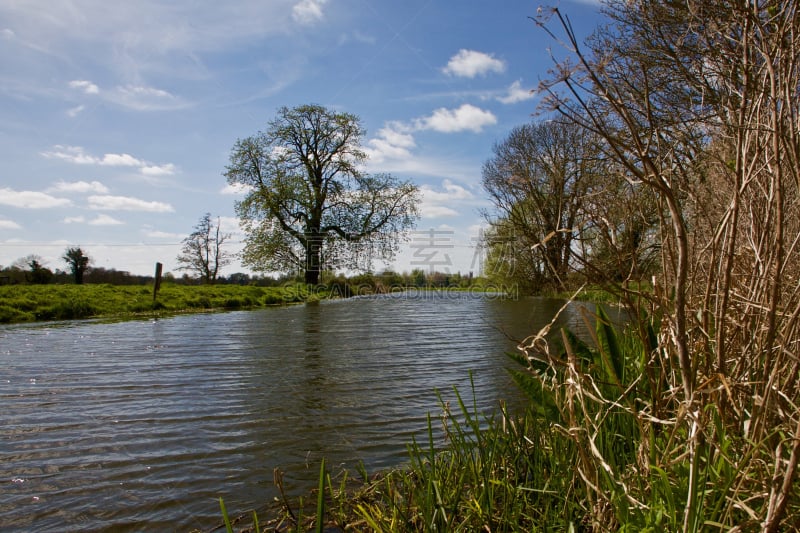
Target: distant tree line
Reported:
[(32, 270)]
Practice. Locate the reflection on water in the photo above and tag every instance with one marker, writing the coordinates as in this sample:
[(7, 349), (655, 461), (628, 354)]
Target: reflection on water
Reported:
[(143, 425)]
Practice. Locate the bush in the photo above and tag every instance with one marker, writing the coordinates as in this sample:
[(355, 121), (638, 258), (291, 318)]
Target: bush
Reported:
[(69, 310), (10, 314)]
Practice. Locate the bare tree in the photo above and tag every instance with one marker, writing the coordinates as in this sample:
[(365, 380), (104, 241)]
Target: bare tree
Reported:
[(538, 180), (699, 102), (202, 251)]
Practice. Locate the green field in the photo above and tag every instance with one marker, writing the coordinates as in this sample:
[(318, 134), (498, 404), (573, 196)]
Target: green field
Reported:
[(28, 303)]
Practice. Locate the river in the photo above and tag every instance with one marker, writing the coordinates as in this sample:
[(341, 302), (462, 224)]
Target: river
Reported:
[(143, 425)]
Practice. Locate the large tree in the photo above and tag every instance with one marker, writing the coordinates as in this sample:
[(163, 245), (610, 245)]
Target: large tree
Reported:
[(538, 180), (78, 263), (202, 251), (309, 204)]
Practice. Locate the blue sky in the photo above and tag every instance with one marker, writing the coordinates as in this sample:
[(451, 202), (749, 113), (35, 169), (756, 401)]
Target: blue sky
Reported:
[(117, 118)]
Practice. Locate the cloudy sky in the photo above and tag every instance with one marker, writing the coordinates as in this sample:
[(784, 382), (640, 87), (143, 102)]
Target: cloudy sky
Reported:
[(117, 118)]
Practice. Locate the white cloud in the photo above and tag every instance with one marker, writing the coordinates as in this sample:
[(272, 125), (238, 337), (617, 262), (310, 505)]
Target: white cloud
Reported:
[(120, 160), (234, 189), (308, 11), (467, 117), (71, 154), (31, 199), (79, 187), (9, 224), (392, 142), (77, 155), (438, 203), (437, 211), (126, 203), (469, 63), (516, 94), (75, 111), (230, 225), (137, 97), (395, 142), (85, 86), (158, 170), (142, 98), (451, 192), (157, 234), (99, 220), (105, 220)]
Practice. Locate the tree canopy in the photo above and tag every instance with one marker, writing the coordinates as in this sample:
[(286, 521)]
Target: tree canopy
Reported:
[(310, 206), (78, 263)]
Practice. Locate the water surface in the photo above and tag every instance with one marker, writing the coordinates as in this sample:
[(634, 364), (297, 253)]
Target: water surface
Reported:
[(143, 425)]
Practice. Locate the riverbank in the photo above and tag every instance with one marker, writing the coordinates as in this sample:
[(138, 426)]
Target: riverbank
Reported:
[(490, 472), (586, 454), (29, 303)]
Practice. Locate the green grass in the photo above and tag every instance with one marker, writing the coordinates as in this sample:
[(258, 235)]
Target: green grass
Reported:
[(27, 303)]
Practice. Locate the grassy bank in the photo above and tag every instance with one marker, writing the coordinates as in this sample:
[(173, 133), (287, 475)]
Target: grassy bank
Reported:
[(27, 303)]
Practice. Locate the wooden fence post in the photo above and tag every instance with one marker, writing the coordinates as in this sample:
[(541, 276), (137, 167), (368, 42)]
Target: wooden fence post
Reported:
[(157, 283)]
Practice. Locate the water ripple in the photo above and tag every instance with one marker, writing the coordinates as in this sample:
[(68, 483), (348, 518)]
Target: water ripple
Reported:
[(143, 425)]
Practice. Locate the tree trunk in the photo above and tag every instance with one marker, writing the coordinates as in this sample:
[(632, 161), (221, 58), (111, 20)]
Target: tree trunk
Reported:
[(312, 277), (313, 259)]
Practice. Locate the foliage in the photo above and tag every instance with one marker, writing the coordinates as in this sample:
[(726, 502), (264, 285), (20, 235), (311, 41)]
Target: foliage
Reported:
[(561, 207), (25, 303), (308, 206), (202, 251), (78, 263), (38, 274)]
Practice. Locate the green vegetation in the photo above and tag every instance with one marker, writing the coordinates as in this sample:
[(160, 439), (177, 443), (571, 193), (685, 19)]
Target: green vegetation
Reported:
[(26, 303), (671, 156), (309, 204)]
